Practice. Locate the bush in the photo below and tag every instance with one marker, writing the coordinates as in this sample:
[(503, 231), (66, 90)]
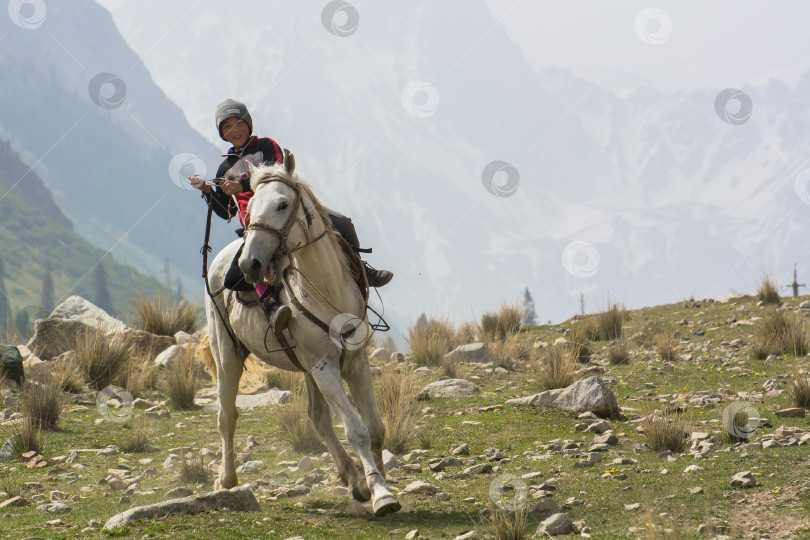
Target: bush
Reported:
[(666, 347), (430, 339), (42, 403), (779, 332), (137, 438), (618, 352), (101, 359), (507, 321), (292, 419), (159, 318), (183, 380), (25, 437), (609, 323), (395, 394), (555, 369), (664, 433), (768, 290), (192, 468)]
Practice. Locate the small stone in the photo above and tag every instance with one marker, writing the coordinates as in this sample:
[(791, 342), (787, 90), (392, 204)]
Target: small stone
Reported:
[(460, 450), (693, 468), (443, 496), (421, 487), (696, 490), (124, 499), (793, 412), (556, 524), (632, 507), (743, 479), (108, 452), (305, 465), (177, 493), (480, 468), (607, 438), (15, 502), (412, 535)]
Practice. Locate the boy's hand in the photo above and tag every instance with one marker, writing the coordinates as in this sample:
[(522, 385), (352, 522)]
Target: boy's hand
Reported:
[(231, 187), (198, 182)]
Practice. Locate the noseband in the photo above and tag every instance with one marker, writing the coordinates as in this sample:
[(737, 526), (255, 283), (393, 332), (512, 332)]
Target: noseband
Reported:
[(285, 230)]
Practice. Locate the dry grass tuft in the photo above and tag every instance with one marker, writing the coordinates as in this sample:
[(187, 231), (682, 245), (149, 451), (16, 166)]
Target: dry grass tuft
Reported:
[(68, 377), (192, 468), (10, 485), (293, 420), (42, 403), (506, 525), (430, 339), (779, 332), (506, 353), (183, 381), (101, 359), (506, 322), (555, 369), (25, 437), (579, 339), (284, 380), (799, 389), (138, 375), (609, 322), (768, 290), (395, 394), (157, 317), (666, 346), (665, 433), (468, 332), (138, 437), (452, 369), (619, 352)]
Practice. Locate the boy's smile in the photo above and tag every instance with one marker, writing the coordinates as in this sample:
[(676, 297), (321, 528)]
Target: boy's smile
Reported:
[(235, 131)]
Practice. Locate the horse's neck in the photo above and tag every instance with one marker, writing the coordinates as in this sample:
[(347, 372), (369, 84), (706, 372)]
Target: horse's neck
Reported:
[(323, 268)]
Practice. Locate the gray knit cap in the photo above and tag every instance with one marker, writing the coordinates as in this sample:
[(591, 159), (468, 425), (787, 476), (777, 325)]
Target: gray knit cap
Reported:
[(232, 108)]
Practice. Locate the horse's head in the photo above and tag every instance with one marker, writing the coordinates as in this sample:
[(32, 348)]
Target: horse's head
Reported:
[(275, 208)]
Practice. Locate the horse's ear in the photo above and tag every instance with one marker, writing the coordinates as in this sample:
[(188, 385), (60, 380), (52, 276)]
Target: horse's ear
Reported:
[(251, 167), (289, 161)]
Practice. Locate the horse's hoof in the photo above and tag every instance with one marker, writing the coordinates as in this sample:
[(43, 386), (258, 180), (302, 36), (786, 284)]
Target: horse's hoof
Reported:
[(386, 505), (361, 493)]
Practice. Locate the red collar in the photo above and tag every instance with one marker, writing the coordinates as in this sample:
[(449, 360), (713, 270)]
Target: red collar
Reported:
[(253, 140)]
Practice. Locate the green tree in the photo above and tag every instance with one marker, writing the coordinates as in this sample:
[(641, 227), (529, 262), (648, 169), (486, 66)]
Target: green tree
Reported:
[(102, 297), (47, 288)]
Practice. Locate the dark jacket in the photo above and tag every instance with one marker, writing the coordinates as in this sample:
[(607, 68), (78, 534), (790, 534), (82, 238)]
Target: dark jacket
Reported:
[(257, 151)]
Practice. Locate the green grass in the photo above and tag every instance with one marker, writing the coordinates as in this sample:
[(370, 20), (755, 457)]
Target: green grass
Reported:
[(522, 433)]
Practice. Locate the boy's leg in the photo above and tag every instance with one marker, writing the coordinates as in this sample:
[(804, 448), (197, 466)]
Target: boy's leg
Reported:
[(344, 226)]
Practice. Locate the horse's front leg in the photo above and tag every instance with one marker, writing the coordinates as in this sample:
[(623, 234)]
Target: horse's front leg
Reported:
[(229, 371)]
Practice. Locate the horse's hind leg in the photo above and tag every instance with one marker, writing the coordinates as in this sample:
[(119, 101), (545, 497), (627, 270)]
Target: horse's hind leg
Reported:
[(321, 416), (358, 376), (229, 371), (327, 376)]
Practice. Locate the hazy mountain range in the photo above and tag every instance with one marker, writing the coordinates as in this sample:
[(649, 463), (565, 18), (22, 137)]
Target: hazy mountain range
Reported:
[(647, 197)]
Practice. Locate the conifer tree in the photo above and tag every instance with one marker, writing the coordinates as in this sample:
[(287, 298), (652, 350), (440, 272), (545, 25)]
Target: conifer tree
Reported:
[(529, 315), (47, 289), (102, 299)]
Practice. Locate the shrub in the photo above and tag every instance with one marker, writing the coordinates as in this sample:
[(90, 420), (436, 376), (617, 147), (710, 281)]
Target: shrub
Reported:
[(666, 347), (507, 321), (609, 322), (555, 369), (768, 290), (157, 317), (137, 438), (99, 358), (618, 352), (183, 381), (799, 389), (395, 394), (506, 525), (430, 339), (192, 468), (25, 437), (664, 433), (42, 403), (779, 332), (292, 419)]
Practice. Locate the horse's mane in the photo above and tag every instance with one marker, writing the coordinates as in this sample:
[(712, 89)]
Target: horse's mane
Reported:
[(266, 171)]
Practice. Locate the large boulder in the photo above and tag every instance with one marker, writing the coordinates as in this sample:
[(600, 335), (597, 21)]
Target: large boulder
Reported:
[(590, 394), (57, 333), (450, 388), (11, 363), (238, 499), (471, 352)]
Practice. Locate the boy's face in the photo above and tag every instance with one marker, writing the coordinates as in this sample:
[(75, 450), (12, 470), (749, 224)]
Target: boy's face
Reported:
[(235, 131)]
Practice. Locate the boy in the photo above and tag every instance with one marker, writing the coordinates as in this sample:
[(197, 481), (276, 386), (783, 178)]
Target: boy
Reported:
[(230, 198)]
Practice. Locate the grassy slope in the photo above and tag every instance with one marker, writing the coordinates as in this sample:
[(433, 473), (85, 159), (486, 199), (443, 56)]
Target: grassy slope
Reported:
[(780, 503)]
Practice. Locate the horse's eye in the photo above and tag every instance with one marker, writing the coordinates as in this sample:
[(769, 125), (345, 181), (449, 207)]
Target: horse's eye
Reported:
[(282, 206)]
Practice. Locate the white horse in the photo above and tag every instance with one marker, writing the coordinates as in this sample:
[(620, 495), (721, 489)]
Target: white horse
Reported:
[(290, 234)]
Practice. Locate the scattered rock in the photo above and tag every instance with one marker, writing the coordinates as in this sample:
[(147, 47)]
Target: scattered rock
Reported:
[(744, 479), (421, 487), (632, 507), (389, 460), (471, 352), (15, 502), (450, 388), (177, 493), (590, 394), (554, 525), (793, 412), (238, 499), (462, 449), (412, 535)]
